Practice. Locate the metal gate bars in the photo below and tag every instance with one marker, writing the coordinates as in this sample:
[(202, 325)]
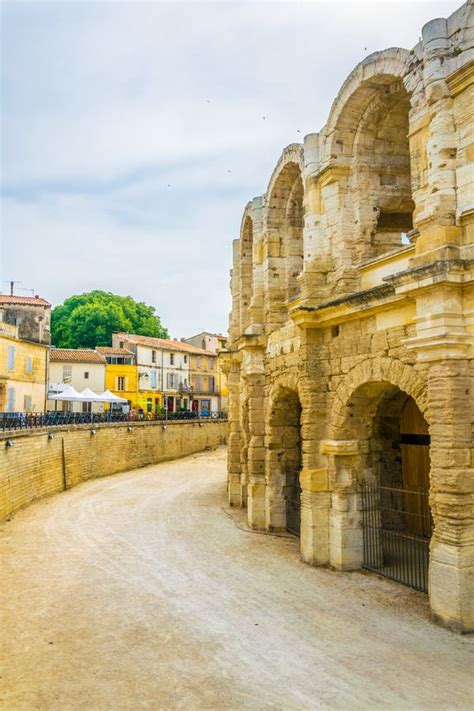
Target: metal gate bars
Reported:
[(397, 529)]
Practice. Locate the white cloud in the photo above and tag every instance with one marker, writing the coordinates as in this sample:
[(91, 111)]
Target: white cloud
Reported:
[(105, 104)]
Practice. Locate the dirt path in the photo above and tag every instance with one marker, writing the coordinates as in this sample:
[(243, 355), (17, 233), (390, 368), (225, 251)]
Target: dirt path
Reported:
[(139, 592)]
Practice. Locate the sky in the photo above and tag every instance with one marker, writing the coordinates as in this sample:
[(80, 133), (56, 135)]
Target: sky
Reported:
[(134, 133)]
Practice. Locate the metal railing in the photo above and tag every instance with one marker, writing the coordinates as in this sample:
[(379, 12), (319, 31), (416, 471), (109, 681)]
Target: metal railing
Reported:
[(34, 420), (397, 528)]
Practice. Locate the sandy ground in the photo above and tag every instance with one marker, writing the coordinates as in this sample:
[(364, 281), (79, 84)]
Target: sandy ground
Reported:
[(139, 592)]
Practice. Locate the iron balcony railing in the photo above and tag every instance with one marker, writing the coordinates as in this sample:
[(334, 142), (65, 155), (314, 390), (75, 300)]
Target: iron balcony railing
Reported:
[(34, 420)]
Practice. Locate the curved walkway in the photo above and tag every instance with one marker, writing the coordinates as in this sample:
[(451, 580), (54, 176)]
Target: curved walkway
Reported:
[(139, 592)]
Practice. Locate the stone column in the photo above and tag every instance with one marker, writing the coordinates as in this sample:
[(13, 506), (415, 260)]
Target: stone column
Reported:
[(256, 452), (450, 416), (235, 435), (345, 533), (314, 477)]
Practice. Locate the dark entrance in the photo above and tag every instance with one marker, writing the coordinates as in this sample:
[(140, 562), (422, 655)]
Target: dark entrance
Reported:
[(293, 502), (396, 517)]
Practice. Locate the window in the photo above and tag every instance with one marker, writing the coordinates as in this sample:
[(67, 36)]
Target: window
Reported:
[(153, 356), (211, 363), (171, 358), (198, 362), (171, 380), (120, 344), (185, 358), (27, 403), (11, 357), (185, 382), (11, 400), (149, 404), (197, 383), (29, 365), (86, 375), (211, 383), (67, 373), (153, 379), (120, 383)]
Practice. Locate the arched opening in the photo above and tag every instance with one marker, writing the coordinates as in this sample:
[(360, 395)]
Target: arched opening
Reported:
[(246, 273), (286, 216), (393, 482), (284, 463), (373, 132), (383, 163)]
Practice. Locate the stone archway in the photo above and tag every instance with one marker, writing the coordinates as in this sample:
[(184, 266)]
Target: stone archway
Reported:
[(284, 461), (378, 463)]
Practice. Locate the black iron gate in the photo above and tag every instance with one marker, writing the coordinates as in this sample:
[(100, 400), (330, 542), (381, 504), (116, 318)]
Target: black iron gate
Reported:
[(397, 529), (293, 502)]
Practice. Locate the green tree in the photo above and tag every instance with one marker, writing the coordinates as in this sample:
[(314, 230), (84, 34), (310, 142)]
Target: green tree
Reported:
[(88, 320)]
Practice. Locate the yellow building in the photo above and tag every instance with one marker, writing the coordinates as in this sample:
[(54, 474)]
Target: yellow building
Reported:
[(121, 376), (23, 370)]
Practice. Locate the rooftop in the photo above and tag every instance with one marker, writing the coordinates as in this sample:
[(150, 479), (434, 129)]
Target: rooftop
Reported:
[(111, 351), (72, 355), (161, 343), (14, 299)]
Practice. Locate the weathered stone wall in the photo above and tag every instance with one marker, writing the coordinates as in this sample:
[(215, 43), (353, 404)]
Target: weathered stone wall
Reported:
[(361, 288), (36, 466)]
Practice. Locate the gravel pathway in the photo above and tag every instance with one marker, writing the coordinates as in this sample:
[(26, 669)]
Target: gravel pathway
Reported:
[(139, 591)]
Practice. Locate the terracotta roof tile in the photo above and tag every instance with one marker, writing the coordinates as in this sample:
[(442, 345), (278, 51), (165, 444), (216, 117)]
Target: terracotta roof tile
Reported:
[(161, 343), (72, 355), (33, 300), (110, 350)]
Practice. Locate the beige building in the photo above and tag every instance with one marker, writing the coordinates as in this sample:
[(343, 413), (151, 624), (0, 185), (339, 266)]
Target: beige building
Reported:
[(82, 368), (350, 358), (214, 343)]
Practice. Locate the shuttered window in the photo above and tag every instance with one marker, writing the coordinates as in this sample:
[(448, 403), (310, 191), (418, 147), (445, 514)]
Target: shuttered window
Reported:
[(11, 400), (11, 358)]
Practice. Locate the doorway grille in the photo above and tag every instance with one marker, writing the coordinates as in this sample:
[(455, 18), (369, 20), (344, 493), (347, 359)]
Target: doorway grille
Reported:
[(397, 528)]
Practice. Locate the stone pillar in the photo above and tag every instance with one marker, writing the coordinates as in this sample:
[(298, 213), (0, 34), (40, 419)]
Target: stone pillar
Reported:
[(345, 533), (435, 215), (314, 477), (235, 435), (256, 452), (450, 416)]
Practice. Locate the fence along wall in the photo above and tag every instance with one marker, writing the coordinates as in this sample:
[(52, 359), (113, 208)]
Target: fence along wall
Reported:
[(36, 466)]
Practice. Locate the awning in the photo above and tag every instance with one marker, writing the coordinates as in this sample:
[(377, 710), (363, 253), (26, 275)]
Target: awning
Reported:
[(69, 393), (108, 396)]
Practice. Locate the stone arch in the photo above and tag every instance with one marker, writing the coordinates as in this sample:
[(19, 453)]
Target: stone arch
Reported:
[(246, 267), (284, 217), (284, 457), (383, 370), (367, 133), (367, 448)]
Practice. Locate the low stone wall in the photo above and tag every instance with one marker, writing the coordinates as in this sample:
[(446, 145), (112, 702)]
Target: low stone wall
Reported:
[(36, 465)]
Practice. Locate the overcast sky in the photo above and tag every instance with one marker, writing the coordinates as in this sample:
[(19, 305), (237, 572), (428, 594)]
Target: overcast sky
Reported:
[(133, 134)]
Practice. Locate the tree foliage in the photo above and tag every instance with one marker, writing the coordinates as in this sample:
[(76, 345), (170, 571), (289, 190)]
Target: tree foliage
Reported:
[(88, 320)]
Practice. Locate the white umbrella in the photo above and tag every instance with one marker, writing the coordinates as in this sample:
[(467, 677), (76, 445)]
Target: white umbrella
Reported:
[(69, 393), (108, 396)]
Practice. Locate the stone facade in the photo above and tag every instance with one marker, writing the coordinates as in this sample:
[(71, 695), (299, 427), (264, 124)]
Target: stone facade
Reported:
[(353, 295)]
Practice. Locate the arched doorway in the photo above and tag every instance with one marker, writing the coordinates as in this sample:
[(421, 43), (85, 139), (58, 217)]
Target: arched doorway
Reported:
[(284, 463), (396, 518)]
